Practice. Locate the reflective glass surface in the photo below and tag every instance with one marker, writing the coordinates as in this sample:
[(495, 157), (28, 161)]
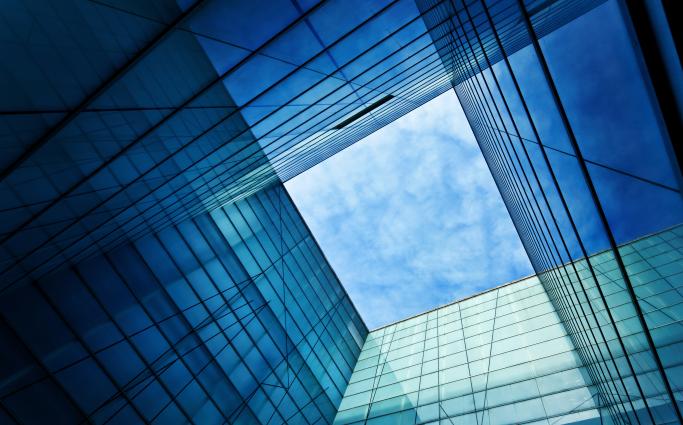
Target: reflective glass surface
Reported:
[(505, 356), (578, 141), (233, 317), (153, 268), (120, 118)]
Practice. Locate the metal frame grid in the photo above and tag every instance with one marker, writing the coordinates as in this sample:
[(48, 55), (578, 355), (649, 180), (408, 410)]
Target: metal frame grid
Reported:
[(511, 352), (520, 179), (149, 158), (205, 149), (230, 318)]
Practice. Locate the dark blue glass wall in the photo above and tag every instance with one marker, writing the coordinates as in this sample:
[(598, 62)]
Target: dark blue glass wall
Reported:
[(120, 118), (582, 146), (505, 356), (233, 317), (152, 268)]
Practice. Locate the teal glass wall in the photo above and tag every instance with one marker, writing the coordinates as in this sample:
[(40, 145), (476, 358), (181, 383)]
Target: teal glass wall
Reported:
[(499, 357), (142, 150), (570, 115), (118, 119), (609, 334), (234, 317), (506, 357)]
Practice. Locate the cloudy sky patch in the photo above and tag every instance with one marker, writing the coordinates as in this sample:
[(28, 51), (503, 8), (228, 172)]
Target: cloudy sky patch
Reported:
[(410, 217)]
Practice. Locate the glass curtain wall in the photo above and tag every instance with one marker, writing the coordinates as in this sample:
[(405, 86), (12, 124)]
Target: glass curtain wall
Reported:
[(575, 135), (499, 357), (507, 356), (120, 119), (234, 317), (122, 123)]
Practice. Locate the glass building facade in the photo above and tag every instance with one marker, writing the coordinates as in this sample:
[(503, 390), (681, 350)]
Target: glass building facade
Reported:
[(120, 118), (231, 317), (505, 356), (154, 269), (583, 144)]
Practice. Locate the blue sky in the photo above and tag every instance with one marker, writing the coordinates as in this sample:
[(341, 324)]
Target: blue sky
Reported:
[(410, 217)]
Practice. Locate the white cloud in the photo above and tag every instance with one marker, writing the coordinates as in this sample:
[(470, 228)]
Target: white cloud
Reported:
[(410, 217)]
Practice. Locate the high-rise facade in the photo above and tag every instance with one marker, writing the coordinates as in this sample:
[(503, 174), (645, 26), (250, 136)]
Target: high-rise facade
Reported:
[(505, 356), (153, 268), (136, 116), (233, 316), (580, 129)]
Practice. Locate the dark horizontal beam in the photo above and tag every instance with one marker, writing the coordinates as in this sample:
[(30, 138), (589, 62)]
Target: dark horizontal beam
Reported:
[(365, 111)]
